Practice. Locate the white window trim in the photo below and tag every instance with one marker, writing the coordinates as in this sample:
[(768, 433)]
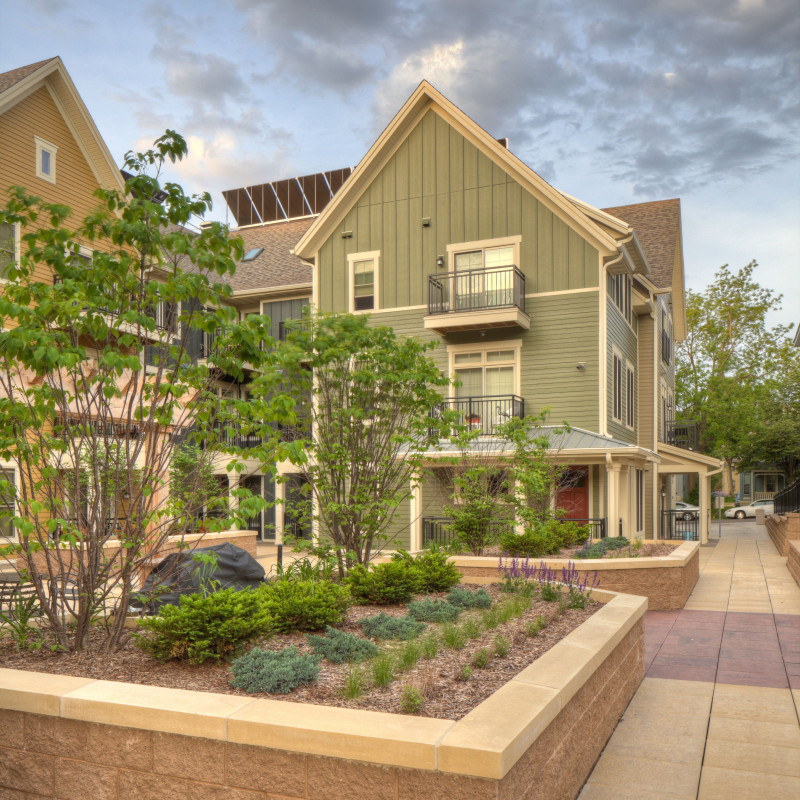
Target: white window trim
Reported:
[(482, 244), (41, 145), (630, 389), (375, 257), (620, 420), (484, 347), (17, 246)]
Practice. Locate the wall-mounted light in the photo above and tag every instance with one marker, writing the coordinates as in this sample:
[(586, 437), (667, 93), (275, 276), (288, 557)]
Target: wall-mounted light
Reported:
[(581, 366), (347, 234), (439, 261), (426, 222)]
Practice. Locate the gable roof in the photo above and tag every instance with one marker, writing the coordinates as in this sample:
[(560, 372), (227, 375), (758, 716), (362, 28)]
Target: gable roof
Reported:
[(17, 84), (657, 225), (425, 96), (8, 79), (276, 266)]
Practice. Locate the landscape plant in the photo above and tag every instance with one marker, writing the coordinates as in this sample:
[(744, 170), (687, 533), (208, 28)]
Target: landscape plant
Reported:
[(411, 700), (383, 584), (340, 647), (433, 611), (304, 605), (382, 626), (433, 568), (468, 598), (274, 672)]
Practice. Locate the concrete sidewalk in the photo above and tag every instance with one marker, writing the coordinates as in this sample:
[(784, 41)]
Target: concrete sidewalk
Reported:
[(717, 713)]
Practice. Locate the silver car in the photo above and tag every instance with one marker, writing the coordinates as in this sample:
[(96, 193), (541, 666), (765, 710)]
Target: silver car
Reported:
[(740, 512), (690, 512)]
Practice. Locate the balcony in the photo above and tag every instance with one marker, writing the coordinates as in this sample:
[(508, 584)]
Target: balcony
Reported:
[(682, 433), (484, 414), (477, 299)]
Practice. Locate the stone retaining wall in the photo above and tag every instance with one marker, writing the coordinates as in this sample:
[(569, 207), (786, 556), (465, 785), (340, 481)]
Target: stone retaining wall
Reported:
[(666, 581), (793, 561), (783, 529), (537, 737)]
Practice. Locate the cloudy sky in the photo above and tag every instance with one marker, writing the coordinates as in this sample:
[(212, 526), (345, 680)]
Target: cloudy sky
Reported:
[(613, 101)]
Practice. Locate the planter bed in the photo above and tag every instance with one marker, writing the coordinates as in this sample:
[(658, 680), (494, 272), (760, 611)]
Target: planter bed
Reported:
[(446, 696), (666, 581), (537, 736)]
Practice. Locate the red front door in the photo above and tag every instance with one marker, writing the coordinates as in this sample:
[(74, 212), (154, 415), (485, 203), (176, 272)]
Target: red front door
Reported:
[(573, 493)]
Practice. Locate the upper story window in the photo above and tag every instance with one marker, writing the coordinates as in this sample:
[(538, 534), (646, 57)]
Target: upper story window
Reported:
[(666, 337), (45, 160), (7, 502), (8, 248), (630, 396), (617, 389), (485, 372), (621, 294), (363, 281)]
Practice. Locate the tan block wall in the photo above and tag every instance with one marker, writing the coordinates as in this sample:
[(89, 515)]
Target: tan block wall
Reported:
[(793, 561), (783, 529), (67, 759), (666, 588)]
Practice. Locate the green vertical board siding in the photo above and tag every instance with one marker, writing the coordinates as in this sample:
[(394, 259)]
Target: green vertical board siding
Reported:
[(624, 339), (280, 310), (436, 173)]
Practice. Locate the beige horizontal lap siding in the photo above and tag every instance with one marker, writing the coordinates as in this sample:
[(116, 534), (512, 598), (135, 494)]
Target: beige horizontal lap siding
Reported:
[(623, 338), (37, 115), (409, 323), (436, 174), (647, 382), (563, 333)]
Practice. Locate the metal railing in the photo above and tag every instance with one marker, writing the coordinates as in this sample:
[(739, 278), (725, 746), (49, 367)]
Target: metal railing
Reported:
[(787, 501), (682, 433), (597, 525), (476, 290), (438, 529), (484, 413), (287, 326), (674, 525)]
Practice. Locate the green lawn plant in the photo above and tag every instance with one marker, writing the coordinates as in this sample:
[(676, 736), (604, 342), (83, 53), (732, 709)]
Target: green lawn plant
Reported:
[(481, 658), (502, 646), (274, 672), (340, 647), (383, 626), (453, 636), (433, 611)]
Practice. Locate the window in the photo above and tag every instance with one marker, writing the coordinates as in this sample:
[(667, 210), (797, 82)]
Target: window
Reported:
[(745, 479), (253, 254), (485, 373), (8, 248), (639, 499), (617, 404), (483, 274), (630, 397), (666, 337), (45, 160), (363, 281), (7, 503), (621, 294)]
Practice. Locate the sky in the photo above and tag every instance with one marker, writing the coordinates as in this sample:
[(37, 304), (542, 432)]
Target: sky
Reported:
[(611, 101)]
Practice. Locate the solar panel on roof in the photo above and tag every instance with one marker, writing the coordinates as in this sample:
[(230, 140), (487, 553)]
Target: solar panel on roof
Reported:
[(285, 199)]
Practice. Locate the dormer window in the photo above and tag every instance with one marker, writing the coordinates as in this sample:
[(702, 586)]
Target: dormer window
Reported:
[(45, 160)]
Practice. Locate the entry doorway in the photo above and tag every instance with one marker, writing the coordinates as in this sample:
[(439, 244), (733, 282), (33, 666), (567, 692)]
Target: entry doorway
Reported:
[(573, 493)]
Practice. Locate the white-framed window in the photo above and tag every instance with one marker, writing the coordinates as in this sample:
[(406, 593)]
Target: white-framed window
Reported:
[(630, 396), (617, 388), (45, 160), (621, 294), (7, 502), (9, 248), (364, 274), (485, 371), (666, 336), (639, 500), (483, 273)]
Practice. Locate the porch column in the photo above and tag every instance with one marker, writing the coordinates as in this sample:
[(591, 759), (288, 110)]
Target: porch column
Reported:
[(233, 500), (612, 491), (415, 523), (280, 499), (705, 505)]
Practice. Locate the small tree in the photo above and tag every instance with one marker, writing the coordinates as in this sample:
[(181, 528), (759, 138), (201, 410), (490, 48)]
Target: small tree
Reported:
[(194, 489), (362, 424), (107, 364)]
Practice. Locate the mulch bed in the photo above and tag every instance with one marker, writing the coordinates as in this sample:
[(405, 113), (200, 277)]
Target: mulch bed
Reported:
[(446, 697)]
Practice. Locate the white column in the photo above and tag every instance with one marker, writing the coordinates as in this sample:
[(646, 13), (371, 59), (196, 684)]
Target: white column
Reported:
[(415, 521), (280, 508), (705, 505), (233, 500), (612, 492)]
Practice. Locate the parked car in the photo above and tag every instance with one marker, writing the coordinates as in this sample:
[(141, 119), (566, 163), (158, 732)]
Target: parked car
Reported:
[(690, 512), (740, 512)]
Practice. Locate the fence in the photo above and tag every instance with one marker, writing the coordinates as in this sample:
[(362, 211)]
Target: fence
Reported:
[(787, 501), (476, 290), (674, 525)]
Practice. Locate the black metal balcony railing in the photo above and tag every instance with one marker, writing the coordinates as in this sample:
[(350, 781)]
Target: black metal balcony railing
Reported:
[(476, 290), (597, 525), (287, 326), (682, 433), (485, 413), (787, 501), (439, 530)]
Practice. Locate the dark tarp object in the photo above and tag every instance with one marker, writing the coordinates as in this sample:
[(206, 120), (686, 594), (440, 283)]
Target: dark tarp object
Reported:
[(182, 573)]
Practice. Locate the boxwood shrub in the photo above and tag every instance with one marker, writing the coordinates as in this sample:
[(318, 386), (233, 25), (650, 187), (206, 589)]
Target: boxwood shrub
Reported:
[(305, 605)]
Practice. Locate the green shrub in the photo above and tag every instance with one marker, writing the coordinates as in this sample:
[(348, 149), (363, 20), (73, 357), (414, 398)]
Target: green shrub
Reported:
[(570, 533), (502, 646), (411, 700), (204, 627), (433, 611), (305, 605), (464, 673), (599, 548), (340, 647), (435, 573), (453, 636), (383, 584), (274, 672), (533, 628), (382, 626), (384, 670), (481, 659), (550, 593), (544, 539), (466, 598)]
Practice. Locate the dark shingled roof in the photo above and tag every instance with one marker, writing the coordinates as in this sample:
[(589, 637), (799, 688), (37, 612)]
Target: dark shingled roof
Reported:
[(275, 266), (657, 225), (8, 79)]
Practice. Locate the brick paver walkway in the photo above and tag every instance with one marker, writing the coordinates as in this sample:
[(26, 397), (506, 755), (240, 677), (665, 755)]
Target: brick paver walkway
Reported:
[(717, 713)]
